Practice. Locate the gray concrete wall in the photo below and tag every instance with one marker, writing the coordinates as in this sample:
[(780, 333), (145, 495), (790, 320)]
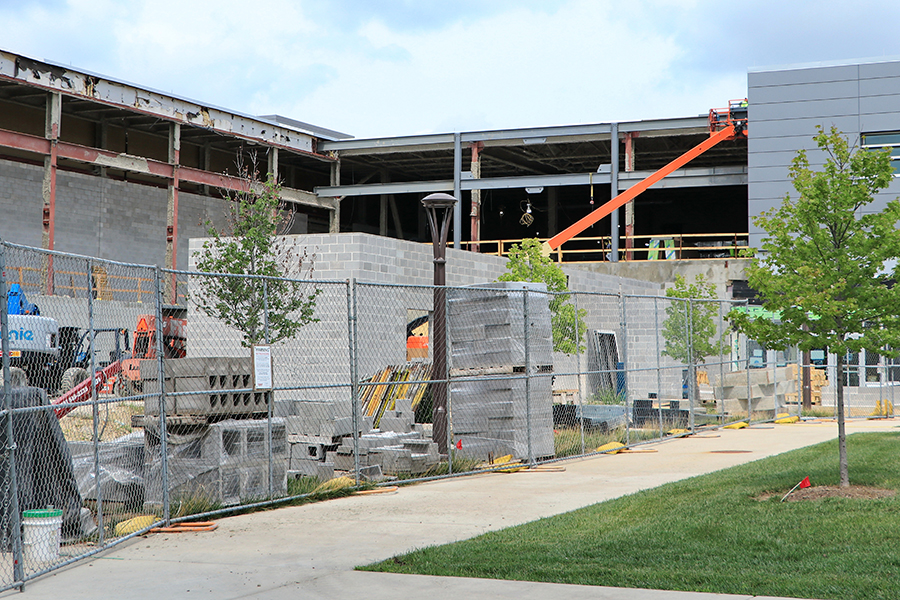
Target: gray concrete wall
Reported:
[(786, 106), (102, 218), (387, 271)]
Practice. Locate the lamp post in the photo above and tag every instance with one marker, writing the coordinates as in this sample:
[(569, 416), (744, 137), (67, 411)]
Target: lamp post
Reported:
[(438, 207)]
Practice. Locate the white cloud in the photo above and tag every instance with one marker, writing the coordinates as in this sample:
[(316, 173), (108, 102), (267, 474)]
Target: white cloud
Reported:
[(411, 67)]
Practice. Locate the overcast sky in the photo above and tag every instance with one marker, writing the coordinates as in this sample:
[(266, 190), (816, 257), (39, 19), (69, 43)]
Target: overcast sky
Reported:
[(371, 68)]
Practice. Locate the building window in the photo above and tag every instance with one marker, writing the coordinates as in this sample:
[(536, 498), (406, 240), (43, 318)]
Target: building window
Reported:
[(875, 142)]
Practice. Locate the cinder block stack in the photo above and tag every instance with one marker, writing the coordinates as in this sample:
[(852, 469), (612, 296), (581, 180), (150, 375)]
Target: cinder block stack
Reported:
[(314, 431), (768, 389), (393, 452), (226, 462), (487, 332), (209, 382)]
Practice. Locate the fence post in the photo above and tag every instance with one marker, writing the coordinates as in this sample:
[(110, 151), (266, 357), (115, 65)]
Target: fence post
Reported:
[(161, 375), (774, 383), (270, 397), (95, 408), (354, 382), (527, 377), (721, 387), (10, 450), (623, 328), (578, 369), (749, 399), (448, 350), (658, 371), (692, 368)]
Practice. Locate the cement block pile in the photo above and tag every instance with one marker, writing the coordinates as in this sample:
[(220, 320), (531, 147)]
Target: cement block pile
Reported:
[(495, 409), (321, 442), (203, 386), (226, 462), (768, 389)]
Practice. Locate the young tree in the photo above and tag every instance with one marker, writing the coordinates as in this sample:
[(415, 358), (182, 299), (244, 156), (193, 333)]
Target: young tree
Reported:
[(690, 327), (828, 264), (251, 246), (526, 263)]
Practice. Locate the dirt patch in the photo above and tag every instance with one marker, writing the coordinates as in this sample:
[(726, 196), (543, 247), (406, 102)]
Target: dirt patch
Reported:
[(858, 492)]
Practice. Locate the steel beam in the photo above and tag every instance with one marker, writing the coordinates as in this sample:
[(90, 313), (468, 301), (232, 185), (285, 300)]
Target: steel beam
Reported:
[(102, 90), (688, 178), (146, 166), (446, 185), (513, 137)]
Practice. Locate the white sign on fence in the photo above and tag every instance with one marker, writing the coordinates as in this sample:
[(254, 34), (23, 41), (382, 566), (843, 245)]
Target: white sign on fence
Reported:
[(262, 368)]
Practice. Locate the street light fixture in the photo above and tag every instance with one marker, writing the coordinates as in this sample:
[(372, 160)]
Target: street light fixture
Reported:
[(439, 207)]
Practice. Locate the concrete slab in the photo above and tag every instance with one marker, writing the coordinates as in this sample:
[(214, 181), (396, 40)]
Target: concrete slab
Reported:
[(310, 551)]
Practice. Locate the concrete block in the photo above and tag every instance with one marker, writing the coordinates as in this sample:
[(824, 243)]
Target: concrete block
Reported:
[(420, 463), (309, 468), (398, 424), (371, 473), (282, 408), (393, 460), (336, 427), (303, 451)]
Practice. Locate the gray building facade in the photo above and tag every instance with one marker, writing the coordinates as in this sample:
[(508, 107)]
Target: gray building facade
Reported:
[(787, 104)]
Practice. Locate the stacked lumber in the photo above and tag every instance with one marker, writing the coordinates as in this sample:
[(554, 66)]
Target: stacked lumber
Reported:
[(380, 392)]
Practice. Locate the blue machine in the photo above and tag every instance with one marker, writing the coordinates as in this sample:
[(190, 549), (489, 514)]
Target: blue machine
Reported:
[(18, 304)]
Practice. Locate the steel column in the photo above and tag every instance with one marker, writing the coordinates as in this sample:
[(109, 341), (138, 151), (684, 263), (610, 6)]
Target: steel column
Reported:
[(475, 210), (334, 217), (614, 189), (172, 210), (457, 177), (52, 120), (629, 208)]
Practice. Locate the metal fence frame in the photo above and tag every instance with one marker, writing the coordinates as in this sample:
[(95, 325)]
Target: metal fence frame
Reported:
[(359, 313)]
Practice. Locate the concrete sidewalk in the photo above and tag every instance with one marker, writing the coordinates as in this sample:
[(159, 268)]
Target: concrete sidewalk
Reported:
[(310, 551)]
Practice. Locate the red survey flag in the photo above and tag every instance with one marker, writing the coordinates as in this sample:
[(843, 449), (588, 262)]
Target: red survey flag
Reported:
[(805, 483), (459, 447)]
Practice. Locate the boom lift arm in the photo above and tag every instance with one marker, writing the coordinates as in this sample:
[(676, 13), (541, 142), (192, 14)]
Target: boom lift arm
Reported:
[(734, 120)]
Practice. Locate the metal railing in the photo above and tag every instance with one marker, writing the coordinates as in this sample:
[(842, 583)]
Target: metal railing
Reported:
[(694, 246)]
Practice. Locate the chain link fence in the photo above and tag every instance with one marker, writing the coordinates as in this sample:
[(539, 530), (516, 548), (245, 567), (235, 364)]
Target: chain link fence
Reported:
[(127, 407)]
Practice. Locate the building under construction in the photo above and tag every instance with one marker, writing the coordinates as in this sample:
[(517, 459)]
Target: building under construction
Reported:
[(96, 166)]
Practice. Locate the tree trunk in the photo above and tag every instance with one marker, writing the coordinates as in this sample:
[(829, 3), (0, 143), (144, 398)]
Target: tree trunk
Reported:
[(842, 434)]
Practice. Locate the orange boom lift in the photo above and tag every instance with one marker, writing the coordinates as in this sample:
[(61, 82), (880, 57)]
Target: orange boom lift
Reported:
[(724, 124)]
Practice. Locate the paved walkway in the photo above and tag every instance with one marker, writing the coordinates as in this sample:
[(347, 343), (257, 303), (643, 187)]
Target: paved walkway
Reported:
[(310, 551)]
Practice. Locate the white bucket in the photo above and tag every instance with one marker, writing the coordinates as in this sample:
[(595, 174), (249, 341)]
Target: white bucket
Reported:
[(40, 536)]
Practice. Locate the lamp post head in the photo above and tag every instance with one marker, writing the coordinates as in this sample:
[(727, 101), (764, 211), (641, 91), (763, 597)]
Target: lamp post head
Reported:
[(438, 200)]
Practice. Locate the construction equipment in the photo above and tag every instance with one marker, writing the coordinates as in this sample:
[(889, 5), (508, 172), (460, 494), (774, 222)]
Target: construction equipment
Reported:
[(145, 345), (724, 124), (46, 355)]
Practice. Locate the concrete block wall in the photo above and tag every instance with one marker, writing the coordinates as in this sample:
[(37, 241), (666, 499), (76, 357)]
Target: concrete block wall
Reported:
[(378, 264), (102, 218), (786, 106)]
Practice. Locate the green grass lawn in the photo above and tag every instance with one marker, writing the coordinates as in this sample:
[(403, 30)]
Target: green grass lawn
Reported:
[(710, 534)]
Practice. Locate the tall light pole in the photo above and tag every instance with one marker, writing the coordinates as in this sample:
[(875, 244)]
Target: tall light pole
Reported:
[(439, 207)]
